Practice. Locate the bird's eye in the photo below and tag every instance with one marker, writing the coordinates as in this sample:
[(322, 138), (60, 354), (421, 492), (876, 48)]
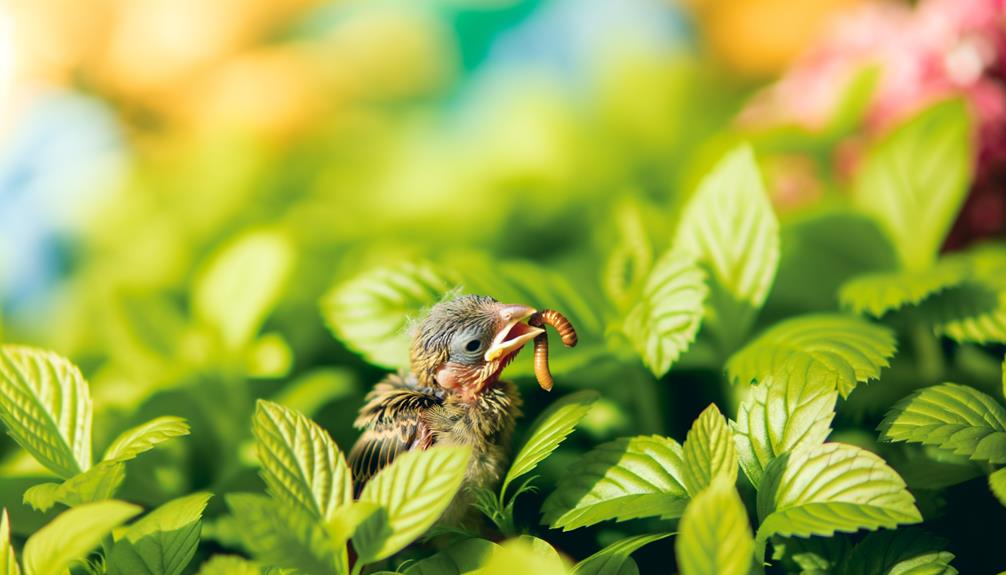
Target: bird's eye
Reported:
[(473, 345)]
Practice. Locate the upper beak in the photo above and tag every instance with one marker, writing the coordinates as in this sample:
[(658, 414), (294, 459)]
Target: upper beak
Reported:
[(514, 334)]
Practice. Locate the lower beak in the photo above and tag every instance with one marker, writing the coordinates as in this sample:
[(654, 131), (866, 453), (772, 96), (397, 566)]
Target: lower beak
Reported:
[(514, 333)]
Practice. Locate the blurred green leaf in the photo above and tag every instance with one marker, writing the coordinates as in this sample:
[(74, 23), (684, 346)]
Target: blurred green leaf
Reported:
[(314, 389), (951, 416), (72, 534), (46, 405), (229, 565), (462, 558), (839, 350), (709, 451), (779, 415), (715, 538), (623, 479), (144, 437), (8, 561), (880, 293), (997, 483), (301, 464), (614, 559), (282, 536), (915, 179), (162, 542), (414, 491), (525, 555), (241, 283), (97, 483), (905, 551)]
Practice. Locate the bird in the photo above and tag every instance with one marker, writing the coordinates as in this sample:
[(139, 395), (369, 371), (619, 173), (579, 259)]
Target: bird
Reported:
[(452, 394)]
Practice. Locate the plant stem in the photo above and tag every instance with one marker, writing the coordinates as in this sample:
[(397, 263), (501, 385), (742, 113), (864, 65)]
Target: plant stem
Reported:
[(357, 568), (928, 355)]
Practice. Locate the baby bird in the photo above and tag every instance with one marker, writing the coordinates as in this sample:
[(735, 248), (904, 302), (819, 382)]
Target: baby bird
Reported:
[(452, 395)]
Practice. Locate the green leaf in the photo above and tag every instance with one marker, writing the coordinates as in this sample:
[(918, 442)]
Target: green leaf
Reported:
[(624, 479), (613, 559), (715, 537), (709, 451), (462, 558), (163, 541), (370, 312), (229, 565), (967, 313), (8, 562), (241, 283), (282, 536), (730, 227), (73, 534), (997, 483), (914, 180), (631, 255), (666, 317), (879, 293), (347, 519), (97, 483), (413, 491), (901, 552), (551, 429), (144, 437), (46, 406), (832, 487), (301, 464), (837, 349), (951, 416), (779, 415), (810, 556), (525, 555)]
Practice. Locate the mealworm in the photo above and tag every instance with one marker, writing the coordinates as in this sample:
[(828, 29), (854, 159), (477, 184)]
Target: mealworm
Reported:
[(566, 333)]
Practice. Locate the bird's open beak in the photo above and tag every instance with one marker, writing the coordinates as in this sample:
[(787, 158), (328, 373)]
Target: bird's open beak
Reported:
[(514, 333)]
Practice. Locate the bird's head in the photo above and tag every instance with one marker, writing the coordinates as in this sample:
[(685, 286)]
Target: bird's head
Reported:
[(463, 344)]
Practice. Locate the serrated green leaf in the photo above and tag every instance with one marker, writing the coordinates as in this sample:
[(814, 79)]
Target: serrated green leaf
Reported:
[(730, 227), (832, 487), (914, 180), (666, 317), (413, 492), (46, 406), (613, 559), (631, 256), (967, 313), (997, 483), (241, 283), (837, 349), (955, 417), (879, 293), (462, 558), (72, 534), (144, 437), (624, 479), (8, 561), (229, 565), (301, 464), (97, 483), (370, 312), (715, 537), (550, 430), (282, 536), (162, 542), (779, 415), (525, 555), (709, 451), (901, 552)]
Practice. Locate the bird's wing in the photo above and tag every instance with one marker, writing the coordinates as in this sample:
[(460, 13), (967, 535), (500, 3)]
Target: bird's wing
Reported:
[(392, 423)]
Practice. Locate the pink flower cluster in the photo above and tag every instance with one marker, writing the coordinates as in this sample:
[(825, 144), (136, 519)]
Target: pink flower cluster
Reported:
[(938, 49)]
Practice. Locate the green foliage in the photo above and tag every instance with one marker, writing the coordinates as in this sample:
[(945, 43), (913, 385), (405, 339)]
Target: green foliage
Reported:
[(162, 542), (908, 551), (997, 483), (882, 292), (463, 557), (840, 351), (144, 437), (715, 537), (8, 560), (709, 451), (72, 534), (97, 483), (615, 558), (282, 536)]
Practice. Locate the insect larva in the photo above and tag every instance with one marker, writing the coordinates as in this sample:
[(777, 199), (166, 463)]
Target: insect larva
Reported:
[(566, 332)]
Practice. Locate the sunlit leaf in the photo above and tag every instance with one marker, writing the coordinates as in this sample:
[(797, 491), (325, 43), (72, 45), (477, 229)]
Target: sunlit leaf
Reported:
[(462, 558), (955, 417), (831, 487), (549, 431), (779, 415), (370, 312), (161, 542), (524, 555), (839, 350), (666, 317), (729, 225), (914, 180), (282, 536), (624, 479), (8, 561), (144, 437), (879, 293), (905, 551), (241, 283), (614, 559), (715, 537), (301, 464), (229, 565), (46, 406), (97, 483), (709, 451), (413, 491), (72, 534), (997, 483)]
